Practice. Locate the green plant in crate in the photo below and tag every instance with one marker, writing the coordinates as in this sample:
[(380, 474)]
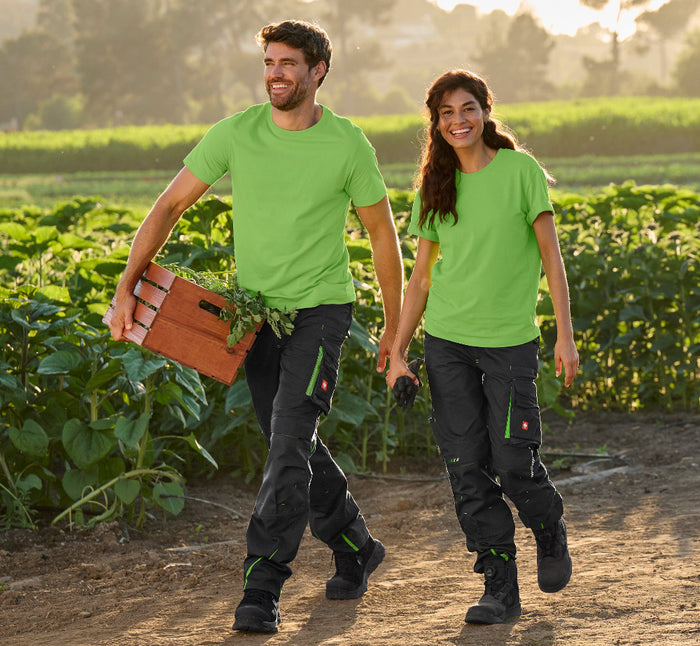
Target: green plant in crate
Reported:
[(243, 310)]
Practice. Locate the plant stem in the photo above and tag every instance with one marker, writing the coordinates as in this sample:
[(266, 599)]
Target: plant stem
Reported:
[(135, 473)]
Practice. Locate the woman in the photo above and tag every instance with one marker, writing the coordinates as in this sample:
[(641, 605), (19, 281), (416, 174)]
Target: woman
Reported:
[(484, 207)]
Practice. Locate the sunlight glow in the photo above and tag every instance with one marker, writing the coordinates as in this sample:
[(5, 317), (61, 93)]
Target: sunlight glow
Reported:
[(562, 16)]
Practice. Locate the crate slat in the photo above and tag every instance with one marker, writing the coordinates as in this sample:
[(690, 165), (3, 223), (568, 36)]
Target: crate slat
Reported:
[(150, 293)]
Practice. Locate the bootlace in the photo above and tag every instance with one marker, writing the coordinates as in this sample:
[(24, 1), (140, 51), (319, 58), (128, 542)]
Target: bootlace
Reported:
[(256, 597), (550, 541)]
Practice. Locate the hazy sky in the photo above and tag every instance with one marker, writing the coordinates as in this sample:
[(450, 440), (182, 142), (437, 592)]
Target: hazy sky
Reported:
[(561, 16)]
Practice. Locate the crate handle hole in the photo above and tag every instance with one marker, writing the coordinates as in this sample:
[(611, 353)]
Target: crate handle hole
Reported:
[(210, 307)]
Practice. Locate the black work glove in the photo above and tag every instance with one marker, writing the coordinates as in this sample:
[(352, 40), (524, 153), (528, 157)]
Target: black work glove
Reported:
[(404, 389)]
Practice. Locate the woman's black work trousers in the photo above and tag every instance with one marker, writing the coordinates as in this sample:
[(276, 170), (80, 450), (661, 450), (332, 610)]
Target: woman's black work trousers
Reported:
[(486, 421)]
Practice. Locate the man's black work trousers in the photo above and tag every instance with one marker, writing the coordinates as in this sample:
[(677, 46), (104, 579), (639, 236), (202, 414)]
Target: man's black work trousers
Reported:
[(486, 421), (292, 380)]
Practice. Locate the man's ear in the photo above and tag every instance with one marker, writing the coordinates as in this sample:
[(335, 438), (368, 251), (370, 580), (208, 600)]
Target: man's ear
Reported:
[(319, 70)]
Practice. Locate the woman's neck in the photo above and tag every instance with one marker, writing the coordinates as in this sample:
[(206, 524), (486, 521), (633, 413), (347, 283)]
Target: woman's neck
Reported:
[(475, 158)]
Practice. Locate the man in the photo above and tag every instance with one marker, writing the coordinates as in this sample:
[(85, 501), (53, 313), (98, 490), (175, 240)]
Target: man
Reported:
[(295, 167)]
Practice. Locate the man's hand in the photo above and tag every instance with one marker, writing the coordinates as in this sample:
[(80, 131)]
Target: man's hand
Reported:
[(566, 358), (385, 344), (123, 316)]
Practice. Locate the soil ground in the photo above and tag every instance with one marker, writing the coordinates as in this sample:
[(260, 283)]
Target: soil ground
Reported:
[(634, 528)]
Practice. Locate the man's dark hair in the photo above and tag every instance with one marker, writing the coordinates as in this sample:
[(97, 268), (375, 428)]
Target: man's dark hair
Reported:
[(310, 39)]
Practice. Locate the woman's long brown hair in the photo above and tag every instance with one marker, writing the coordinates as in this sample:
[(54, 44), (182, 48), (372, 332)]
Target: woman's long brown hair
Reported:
[(439, 163)]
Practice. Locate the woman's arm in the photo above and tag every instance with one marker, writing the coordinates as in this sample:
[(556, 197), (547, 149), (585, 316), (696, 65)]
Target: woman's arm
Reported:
[(565, 353)]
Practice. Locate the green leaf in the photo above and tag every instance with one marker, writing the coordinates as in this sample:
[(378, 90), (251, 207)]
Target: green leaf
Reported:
[(127, 490), (76, 481), (194, 443), (632, 313), (346, 463), (9, 381), (55, 293), (359, 250), (238, 396), (103, 376), (110, 468), (29, 482), (190, 380), (360, 336), (162, 493), (21, 320), (15, 230), (85, 445), (138, 367), (60, 362), (351, 408), (30, 439), (130, 431)]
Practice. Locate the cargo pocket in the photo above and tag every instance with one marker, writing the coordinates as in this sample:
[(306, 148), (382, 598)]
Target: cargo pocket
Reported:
[(325, 374), (523, 425)]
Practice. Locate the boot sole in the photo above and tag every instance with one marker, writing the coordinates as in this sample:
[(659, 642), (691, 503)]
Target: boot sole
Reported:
[(477, 615), (341, 593), (256, 625)]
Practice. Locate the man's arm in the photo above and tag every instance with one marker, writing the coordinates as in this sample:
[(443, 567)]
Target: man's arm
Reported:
[(183, 192), (386, 255), (412, 310)]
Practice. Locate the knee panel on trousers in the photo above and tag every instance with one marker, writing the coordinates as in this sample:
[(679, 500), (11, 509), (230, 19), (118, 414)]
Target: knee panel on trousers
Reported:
[(285, 486)]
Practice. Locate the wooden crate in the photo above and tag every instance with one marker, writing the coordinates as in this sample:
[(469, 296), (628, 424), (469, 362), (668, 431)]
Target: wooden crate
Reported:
[(179, 320)]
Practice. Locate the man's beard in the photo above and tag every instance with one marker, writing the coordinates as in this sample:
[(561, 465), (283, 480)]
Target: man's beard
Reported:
[(292, 100)]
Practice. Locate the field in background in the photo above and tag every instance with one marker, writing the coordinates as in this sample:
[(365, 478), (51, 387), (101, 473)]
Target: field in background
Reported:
[(137, 190), (601, 127)]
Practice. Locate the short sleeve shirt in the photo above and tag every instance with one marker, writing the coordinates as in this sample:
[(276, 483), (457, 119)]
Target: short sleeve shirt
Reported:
[(291, 191), (485, 283)]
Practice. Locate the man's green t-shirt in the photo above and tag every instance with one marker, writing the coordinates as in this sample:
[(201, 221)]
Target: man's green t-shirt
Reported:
[(291, 194), (484, 285)]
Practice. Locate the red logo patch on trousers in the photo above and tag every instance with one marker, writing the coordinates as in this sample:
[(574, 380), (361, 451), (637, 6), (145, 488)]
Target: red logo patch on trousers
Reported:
[(324, 385), (525, 426)]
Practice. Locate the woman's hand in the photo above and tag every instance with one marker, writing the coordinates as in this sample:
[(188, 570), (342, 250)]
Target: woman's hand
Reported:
[(398, 368)]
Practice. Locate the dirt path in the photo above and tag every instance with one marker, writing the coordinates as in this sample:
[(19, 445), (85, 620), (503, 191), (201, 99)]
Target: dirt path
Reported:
[(634, 536)]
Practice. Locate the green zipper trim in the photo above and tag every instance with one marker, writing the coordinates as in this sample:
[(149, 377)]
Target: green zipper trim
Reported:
[(510, 404), (350, 543), (317, 369), (250, 569)]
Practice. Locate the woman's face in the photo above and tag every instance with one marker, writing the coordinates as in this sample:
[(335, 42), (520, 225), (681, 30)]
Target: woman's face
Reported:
[(461, 119)]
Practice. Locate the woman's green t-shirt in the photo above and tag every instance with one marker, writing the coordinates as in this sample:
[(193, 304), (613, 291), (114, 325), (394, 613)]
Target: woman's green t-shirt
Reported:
[(291, 191), (485, 284)]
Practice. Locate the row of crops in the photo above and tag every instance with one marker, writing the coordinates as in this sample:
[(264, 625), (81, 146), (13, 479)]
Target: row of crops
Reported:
[(95, 429), (560, 129)]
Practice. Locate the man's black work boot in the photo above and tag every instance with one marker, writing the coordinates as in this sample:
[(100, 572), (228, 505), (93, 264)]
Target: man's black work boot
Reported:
[(258, 612), (352, 569), (501, 600), (553, 559)]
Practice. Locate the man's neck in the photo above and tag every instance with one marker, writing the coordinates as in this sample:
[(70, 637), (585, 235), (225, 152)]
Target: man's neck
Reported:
[(301, 118)]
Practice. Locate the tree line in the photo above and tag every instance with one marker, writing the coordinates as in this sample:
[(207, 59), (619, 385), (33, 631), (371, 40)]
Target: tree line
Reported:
[(113, 62)]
